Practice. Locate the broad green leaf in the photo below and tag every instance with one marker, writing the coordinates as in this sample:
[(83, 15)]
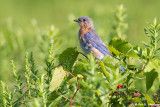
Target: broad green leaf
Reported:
[(153, 64), (68, 57), (57, 78), (150, 77), (114, 51), (149, 100), (124, 47)]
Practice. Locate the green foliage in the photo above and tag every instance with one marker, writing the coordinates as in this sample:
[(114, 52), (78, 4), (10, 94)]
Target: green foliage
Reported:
[(68, 57), (124, 47), (153, 35), (68, 79), (121, 26), (149, 100), (150, 78), (50, 65), (58, 76)]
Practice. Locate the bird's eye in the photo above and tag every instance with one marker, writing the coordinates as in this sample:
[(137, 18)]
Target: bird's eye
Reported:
[(84, 19)]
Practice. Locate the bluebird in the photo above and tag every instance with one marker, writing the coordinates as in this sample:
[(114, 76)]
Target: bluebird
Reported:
[(89, 40)]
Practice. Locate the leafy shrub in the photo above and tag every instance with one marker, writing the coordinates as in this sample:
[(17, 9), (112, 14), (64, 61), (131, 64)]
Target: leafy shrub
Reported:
[(74, 79)]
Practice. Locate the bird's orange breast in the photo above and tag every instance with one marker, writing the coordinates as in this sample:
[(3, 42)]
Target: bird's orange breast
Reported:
[(84, 30)]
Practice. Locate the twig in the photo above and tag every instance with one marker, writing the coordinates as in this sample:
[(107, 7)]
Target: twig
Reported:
[(75, 93), (73, 96), (142, 67), (83, 54), (70, 74), (66, 98)]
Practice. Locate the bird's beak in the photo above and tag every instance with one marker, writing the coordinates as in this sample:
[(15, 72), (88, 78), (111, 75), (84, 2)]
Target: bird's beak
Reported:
[(76, 20)]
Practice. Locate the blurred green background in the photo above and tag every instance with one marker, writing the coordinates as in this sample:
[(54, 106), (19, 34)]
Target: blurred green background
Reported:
[(25, 25)]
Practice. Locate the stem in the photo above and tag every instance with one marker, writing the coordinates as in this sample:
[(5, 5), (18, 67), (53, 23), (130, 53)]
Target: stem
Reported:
[(26, 92), (83, 54), (75, 93), (70, 74), (44, 100), (155, 46), (155, 42), (73, 97), (66, 98)]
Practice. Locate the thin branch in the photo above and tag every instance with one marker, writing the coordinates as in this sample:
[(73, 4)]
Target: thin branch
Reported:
[(70, 74), (73, 96), (83, 54), (75, 93), (66, 98), (142, 67), (71, 103)]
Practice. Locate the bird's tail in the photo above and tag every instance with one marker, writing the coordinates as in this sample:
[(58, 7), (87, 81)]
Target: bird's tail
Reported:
[(122, 68)]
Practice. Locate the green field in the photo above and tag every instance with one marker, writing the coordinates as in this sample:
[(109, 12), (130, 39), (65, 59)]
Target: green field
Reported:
[(32, 25)]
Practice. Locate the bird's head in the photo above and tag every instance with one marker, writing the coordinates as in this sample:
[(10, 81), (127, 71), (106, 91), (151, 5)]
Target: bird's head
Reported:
[(85, 21)]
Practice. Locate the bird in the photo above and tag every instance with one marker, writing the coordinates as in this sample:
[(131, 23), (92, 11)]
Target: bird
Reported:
[(90, 41)]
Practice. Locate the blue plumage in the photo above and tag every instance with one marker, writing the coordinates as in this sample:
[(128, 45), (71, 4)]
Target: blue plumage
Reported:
[(90, 41)]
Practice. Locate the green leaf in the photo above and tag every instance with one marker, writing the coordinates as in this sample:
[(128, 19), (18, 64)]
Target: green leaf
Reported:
[(149, 100), (132, 67), (146, 53), (146, 45), (110, 63), (158, 49), (138, 51), (106, 74), (153, 39), (121, 78), (72, 80), (136, 100), (33, 67), (151, 30), (54, 102), (68, 57), (84, 85), (153, 64), (146, 32), (124, 47), (80, 66), (57, 78), (114, 51), (150, 77), (52, 98), (158, 40)]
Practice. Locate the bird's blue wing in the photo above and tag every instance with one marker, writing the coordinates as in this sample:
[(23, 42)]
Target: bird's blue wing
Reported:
[(95, 35), (91, 40), (99, 45)]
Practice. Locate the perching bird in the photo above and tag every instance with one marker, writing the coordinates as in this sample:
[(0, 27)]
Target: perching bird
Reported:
[(89, 39)]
